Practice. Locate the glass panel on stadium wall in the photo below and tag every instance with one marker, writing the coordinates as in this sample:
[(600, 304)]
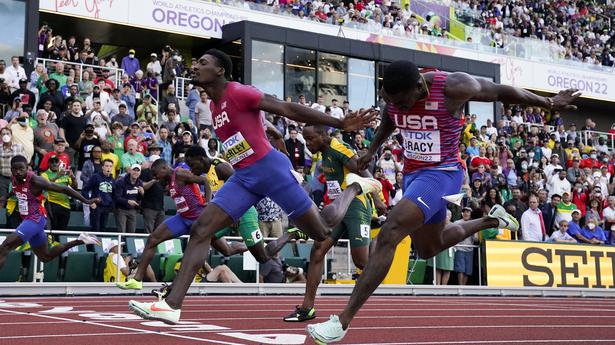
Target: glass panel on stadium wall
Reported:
[(12, 13), (361, 83), (300, 77), (268, 67), (332, 77)]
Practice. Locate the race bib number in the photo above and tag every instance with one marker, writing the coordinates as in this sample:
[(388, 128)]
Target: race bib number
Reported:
[(422, 145), (237, 148), (181, 204), (334, 190), (23, 206), (257, 236), (365, 228)]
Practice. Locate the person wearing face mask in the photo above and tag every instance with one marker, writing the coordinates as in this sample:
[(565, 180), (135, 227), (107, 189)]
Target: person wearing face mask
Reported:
[(130, 64), (8, 150), (23, 134), (591, 161), (112, 63), (593, 232)]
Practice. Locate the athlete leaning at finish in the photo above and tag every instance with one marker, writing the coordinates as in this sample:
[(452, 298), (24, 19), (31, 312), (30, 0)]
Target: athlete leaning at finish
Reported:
[(427, 108), (28, 188), (259, 171), (338, 159)]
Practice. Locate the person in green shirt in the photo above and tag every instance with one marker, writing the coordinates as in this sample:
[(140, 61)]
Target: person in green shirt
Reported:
[(117, 139), (131, 156), (58, 204), (564, 209)]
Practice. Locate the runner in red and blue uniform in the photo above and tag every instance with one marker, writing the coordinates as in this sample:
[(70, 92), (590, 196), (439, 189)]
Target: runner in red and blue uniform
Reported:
[(259, 171), (28, 189), (427, 110)]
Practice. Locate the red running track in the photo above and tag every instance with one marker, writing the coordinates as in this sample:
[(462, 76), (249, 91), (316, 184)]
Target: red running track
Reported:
[(258, 320)]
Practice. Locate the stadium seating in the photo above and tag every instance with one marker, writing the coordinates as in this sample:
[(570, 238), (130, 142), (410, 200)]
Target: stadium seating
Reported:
[(79, 267), (12, 267)]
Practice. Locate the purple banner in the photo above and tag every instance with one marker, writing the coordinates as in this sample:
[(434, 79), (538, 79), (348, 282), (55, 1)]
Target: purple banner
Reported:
[(433, 12)]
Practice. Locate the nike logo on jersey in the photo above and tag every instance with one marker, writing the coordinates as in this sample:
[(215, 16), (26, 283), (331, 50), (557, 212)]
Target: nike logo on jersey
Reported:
[(420, 199)]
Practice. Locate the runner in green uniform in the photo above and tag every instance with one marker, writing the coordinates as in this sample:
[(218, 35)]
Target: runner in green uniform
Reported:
[(338, 159)]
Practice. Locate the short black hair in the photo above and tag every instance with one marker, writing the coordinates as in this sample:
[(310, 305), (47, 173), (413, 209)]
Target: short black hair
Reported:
[(158, 163), (321, 130), (223, 60), (400, 76), (195, 151), (19, 159)]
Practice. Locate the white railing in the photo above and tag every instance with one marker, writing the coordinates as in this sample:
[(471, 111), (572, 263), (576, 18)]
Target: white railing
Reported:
[(182, 88), (591, 138), (115, 74), (529, 125)]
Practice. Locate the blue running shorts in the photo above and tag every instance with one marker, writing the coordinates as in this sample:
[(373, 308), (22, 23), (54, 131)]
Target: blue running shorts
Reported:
[(178, 225), (33, 232), (270, 176), (426, 188)]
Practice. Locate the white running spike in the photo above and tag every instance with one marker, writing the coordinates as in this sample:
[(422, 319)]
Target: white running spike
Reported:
[(454, 198)]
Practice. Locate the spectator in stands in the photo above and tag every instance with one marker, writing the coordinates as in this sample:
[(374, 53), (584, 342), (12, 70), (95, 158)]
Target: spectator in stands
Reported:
[(295, 148), (181, 146), (172, 121), (389, 165), (574, 172), (45, 134), (100, 186), (147, 111), (112, 107), (564, 209), (387, 186), (151, 85), (117, 138), (97, 96), (532, 222), (52, 94), (72, 94), (271, 271), (71, 128), (23, 134), (549, 210), (92, 165), (15, 73), (131, 157), (107, 154), (122, 116), (558, 183), (105, 79), (203, 113), (206, 274), (191, 101), (519, 205), (574, 227), (166, 143), (152, 204), (15, 110), (58, 204), (474, 148), (510, 173), (562, 234), (127, 194), (8, 150), (130, 64), (127, 265), (25, 96), (593, 232), (169, 98), (86, 142), (269, 218), (464, 255), (154, 67), (398, 193), (594, 212)]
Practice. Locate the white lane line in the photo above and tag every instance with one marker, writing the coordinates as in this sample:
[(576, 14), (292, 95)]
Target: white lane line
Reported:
[(138, 330), (471, 342)]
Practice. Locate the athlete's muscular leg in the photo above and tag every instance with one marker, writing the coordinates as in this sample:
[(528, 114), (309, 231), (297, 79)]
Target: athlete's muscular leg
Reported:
[(46, 254), (333, 213), (431, 239), (223, 247), (404, 218), (161, 234), (315, 270), (359, 256), (11, 242), (211, 220)]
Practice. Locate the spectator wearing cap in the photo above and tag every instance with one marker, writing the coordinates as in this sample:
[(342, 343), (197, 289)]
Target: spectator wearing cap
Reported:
[(127, 96), (58, 204), (100, 185), (112, 108), (150, 83), (574, 227), (86, 142), (26, 96), (553, 165), (52, 94), (473, 149), (130, 64), (59, 148), (532, 222), (127, 194), (131, 156), (14, 111), (182, 145), (45, 134), (101, 126), (97, 109), (147, 111), (23, 134), (154, 67), (105, 79), (557, 182), (122, 116), (8, 150), (126, 265), (591, 161)]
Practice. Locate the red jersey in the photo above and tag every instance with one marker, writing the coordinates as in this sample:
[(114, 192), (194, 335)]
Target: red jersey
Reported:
[(63, 157), (30, 206), (188, 199), (238, 123)]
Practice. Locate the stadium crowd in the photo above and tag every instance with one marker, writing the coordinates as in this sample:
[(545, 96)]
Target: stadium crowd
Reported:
[(99, 132)]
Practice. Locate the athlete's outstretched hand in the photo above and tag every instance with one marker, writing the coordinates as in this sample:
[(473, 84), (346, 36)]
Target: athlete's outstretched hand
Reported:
[(92, 201), (564, 99), (364, 161), (356, 120)]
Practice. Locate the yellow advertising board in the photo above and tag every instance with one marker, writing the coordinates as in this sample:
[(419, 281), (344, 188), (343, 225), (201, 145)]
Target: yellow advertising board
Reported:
[(398, 273), (517, 264)]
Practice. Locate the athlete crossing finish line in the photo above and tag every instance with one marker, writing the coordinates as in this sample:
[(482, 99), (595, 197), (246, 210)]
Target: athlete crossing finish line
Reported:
[(259, 171), (427, 110)]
